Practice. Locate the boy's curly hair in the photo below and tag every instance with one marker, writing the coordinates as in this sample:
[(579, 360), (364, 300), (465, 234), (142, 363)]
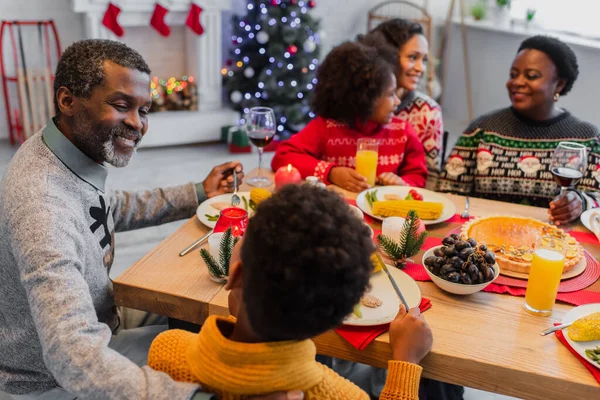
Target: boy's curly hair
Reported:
[(306, 261), (350, 80)]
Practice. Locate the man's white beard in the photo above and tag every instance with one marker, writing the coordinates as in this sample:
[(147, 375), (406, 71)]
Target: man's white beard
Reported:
[(113, 158)]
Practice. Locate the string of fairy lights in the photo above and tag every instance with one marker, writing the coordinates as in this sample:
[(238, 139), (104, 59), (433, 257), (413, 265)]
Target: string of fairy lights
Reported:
[(254, 31)]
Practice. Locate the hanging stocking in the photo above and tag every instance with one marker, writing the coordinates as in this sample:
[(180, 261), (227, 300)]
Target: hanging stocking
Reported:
[(158, 20), (110, 20), (193, 19)]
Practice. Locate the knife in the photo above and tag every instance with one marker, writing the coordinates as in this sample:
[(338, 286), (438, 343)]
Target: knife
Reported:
[(380, 261), (196, 243)]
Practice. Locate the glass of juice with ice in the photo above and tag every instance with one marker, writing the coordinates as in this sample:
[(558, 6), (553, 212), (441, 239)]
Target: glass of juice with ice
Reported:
[(366, 159), (544, 276)]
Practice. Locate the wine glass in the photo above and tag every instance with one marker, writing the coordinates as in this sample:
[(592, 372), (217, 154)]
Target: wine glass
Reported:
[(568, 165), (260, 128)]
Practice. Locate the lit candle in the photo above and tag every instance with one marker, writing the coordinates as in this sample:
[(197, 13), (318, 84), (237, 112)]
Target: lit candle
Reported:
[(287, 175)]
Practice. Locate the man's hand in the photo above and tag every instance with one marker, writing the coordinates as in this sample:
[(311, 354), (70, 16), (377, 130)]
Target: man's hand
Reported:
[(410, 336), (348, 179), (390, 178), (220, 179), (296, 395), (565, 208)]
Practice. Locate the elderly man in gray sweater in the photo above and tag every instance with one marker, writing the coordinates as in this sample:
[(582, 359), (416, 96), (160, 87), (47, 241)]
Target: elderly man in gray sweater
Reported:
[(60, 335)]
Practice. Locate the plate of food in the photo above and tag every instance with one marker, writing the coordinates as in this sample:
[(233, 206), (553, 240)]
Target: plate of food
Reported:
[(513, 240), (584, 333), (586, 218), (395, 201), (380, 303), (208, 212)]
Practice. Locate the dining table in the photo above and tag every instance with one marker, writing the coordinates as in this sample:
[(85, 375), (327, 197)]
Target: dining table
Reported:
[(485, 341)]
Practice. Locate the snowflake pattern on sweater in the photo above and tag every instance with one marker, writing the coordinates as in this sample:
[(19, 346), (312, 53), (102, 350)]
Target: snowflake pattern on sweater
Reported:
[(503, 156), (425, 115)]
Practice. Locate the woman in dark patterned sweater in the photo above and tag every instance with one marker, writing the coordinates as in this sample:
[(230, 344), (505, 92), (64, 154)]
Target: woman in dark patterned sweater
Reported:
[(505, 155), (403, 44)]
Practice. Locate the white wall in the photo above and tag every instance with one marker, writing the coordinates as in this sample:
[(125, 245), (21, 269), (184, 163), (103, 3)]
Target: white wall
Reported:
[(491, 54), (69, 25)]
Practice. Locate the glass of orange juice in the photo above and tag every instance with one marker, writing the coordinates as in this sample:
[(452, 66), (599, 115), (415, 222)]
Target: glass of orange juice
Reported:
[(366, 159), (544, 277)]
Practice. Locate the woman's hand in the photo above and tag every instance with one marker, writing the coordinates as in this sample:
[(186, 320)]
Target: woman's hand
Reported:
[(348, 179), (390, 178), (565, 208)]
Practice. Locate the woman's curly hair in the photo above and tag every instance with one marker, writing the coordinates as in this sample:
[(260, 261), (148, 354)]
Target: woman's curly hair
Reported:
[(561, 55), (396, 32), (350, 80), (306, 263)]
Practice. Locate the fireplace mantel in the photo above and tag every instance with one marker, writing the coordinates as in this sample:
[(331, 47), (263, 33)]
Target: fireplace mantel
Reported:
[(204, 61)]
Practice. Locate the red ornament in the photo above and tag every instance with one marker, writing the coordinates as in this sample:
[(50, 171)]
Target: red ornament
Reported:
[(292, 49), (293, 2), (229, 62), (274, 2), (312, 4)]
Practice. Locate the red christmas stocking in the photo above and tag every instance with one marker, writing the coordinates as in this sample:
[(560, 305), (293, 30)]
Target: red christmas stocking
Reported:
[(158, 20), (110, 19), (193, 19)]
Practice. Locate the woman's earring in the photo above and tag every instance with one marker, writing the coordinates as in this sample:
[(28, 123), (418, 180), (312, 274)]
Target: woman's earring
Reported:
[(556, 96)]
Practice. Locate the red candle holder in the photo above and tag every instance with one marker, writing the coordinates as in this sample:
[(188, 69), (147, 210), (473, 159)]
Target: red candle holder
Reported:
[(234, 218)]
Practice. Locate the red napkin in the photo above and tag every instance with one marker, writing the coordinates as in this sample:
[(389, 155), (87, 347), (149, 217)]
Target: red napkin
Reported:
[(575, 298), (361, 336), (584, 237), (594, 371), (458, 219)]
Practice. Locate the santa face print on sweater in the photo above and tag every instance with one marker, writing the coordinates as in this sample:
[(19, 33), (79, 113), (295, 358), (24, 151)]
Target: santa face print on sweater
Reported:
[(485, 160), (530, 165), (455, 166)]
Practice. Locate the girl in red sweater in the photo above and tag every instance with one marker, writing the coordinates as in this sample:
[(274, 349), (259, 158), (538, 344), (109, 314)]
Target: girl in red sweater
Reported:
[(355, 98)]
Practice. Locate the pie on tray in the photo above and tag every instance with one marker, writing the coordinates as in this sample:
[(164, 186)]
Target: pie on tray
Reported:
[(513, 240)]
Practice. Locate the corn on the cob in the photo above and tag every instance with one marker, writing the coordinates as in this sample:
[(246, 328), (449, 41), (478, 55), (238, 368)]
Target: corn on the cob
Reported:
[(400, 208), (258, 194), (586, 329)]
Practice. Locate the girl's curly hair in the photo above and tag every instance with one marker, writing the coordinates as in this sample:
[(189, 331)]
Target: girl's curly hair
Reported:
[(350, 80)]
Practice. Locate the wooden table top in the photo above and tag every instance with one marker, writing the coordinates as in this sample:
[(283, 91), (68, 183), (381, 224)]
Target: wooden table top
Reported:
[(485, 341)]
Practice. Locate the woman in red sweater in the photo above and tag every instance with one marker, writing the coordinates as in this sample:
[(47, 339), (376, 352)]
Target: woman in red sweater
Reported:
[(355, 98)]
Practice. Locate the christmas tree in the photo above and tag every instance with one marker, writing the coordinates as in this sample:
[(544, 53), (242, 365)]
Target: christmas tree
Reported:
[(274, 60)]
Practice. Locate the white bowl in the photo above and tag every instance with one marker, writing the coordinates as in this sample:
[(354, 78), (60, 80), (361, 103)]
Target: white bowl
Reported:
[(456, 288)]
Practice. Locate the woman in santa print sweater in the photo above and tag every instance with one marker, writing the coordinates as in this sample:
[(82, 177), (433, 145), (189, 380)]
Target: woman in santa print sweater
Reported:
[(355, 97), (404, 44), (505, 155)]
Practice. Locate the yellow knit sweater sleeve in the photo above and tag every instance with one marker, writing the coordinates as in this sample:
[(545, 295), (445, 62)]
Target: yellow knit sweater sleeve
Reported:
[(402, 381), (168, 354)]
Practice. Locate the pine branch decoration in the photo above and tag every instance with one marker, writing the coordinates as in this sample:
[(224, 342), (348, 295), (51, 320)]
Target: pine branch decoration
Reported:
[(220, 270), (409, 243), (213, 267)]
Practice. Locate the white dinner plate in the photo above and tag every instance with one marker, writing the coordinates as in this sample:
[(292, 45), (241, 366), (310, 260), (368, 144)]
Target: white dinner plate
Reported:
[(205, 208), (573, 315), (585, 218), (402, 191), (382, 288)]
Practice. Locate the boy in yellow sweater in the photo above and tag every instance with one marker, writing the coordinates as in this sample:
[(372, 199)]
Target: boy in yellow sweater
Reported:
[(301, 266)]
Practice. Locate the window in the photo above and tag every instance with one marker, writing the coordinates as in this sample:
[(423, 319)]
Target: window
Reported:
[(579, 17)]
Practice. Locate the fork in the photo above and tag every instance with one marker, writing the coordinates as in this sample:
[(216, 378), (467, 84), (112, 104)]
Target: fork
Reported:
[(235, 199), (465, 213)]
